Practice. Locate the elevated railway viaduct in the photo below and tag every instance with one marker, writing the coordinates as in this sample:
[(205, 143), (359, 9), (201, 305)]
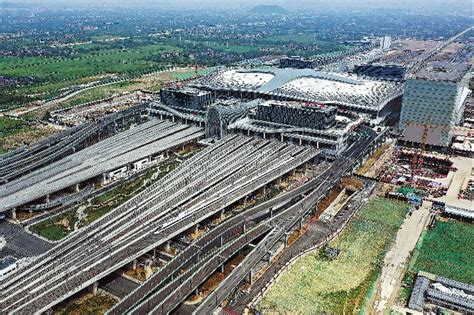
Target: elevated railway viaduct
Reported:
[(166, 289), (27, 159), (204, 185), (200, 188)]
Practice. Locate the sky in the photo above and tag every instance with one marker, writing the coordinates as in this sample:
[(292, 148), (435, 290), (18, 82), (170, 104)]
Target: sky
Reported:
[(419, 5)]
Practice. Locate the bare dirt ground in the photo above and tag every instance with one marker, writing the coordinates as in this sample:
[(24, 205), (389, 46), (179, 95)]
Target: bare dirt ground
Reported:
[(395, 261), (464, 168)]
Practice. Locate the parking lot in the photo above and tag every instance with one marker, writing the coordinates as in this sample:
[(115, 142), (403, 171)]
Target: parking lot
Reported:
[(19, 243)]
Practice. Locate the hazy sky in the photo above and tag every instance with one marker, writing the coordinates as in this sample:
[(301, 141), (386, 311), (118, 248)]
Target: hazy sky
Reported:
[(465, 5)]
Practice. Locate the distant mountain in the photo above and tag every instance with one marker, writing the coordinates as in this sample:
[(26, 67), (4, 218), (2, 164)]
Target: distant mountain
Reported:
[(269, 9)]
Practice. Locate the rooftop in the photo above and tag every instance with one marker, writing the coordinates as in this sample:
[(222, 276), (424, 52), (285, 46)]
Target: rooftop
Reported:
[(305, 84), (304, 105), (189, 90), (442, 71)]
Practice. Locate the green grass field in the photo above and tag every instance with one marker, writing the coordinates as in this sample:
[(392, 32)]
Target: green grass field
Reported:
[(317, 284), (9, 127), (190, 74), (58, 69), (53, 74), (446, 250), (95, 94), (57, 227)]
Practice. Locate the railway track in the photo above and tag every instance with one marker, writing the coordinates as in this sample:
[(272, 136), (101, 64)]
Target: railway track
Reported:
[(227, 173)]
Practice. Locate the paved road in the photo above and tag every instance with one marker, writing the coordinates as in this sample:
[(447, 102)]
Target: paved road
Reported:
[(118, 285), (21, 244), (396, 259)]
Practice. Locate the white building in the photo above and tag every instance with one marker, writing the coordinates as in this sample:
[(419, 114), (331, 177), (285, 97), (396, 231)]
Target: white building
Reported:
[(433, 103), (139, 165)]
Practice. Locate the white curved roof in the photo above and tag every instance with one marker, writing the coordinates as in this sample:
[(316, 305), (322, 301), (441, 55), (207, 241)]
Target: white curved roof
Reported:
[(307, 84), (239, 79)]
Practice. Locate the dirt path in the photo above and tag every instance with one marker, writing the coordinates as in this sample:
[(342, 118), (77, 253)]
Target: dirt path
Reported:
[(396, 259)]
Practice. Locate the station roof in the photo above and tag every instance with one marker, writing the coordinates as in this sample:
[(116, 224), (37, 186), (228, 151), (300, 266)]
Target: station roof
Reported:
[(305, 84)]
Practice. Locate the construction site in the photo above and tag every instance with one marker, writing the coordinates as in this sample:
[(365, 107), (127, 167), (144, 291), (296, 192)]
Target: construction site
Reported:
[(278, 190)]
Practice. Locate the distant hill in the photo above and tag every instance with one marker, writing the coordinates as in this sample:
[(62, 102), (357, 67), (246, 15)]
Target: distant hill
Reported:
[(269, 9)]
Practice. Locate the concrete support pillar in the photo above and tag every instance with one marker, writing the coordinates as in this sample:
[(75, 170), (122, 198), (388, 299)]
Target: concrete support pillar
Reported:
[(94, 288), (264, 190), (77, 188), (222, 268), (134, 267), (104, 178), (47, 198), (221, 241), (315, 209), (244, 228), (281, 137), (271, 212), (300, 224), (14, 213), (168, 246), (172, 118), (301, 141), (250, 276), (196, 228), (196, 292), (264, 135), (222, 215)]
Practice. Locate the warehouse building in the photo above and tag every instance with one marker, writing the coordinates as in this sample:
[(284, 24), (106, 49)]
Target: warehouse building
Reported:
[(431, 291), (433, 103)]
